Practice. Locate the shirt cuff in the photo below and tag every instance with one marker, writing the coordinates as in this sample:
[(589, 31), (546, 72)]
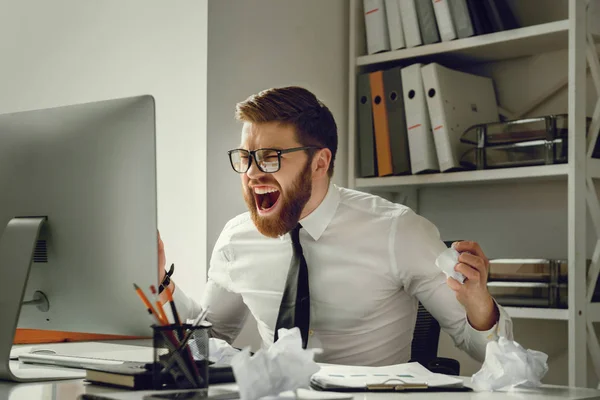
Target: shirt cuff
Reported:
[(502, 328)]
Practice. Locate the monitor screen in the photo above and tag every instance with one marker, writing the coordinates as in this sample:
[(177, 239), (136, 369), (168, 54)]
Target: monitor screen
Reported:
[(90, 170)]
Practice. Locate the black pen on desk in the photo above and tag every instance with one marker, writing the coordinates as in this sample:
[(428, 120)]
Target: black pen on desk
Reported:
[(173, 307), (197, 322)]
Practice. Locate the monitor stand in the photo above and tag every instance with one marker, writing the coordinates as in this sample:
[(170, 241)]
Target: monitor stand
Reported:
[(16, 253)]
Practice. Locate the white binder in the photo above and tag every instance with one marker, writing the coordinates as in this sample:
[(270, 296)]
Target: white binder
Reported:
[(376, 26), (423, 157), (392, 11), (410, 23), (441, 8), (456, 100)]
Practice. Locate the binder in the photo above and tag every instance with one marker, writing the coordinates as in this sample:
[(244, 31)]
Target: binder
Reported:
[(410, 23), (423, 157), (376, 26), (500, 15), (461, 18), (392, 11), (456, 100), (380, 125), (366, 138), (427, 23), (394, 105), (481, 22), (441, 9)]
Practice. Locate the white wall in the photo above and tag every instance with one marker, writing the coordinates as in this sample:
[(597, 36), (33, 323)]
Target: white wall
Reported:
[(259, 44), (69, 51)]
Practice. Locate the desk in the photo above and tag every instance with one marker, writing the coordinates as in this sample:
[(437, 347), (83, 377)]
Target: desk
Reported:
[(70, 390)]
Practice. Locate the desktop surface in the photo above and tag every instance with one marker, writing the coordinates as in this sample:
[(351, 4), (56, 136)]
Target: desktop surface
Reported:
[(73, 389), (122, 349)]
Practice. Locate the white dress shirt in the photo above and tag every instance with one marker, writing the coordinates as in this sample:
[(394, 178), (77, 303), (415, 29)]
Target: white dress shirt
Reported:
[(369, 261)]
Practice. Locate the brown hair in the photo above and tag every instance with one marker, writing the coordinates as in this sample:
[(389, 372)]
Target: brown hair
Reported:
[(295, 106)]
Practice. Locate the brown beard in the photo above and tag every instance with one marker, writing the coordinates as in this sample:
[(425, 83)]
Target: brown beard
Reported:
[(292, 204)]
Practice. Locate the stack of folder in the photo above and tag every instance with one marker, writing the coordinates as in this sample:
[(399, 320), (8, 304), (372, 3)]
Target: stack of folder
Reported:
[(398, 24), (410, 119)]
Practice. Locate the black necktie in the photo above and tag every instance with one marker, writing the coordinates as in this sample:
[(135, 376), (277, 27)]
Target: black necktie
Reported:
[(295, 303)]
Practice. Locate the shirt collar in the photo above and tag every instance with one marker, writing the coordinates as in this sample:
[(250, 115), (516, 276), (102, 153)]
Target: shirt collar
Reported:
[(317, 221)]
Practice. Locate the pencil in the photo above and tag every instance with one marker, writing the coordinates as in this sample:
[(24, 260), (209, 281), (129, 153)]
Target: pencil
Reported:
[(179, 346), (171, 338), (147, 303), (173, 308), (159, 307)]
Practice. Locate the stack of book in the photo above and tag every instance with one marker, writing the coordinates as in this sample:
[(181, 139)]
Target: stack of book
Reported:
[(138, 376)]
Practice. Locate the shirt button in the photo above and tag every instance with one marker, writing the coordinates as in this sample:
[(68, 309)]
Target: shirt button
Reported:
[(310, 332)]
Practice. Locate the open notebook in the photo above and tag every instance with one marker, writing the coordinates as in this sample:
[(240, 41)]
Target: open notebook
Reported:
[(410, 376)]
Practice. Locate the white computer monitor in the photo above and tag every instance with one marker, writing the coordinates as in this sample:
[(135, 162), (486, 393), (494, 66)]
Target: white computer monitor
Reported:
[(86, 176)]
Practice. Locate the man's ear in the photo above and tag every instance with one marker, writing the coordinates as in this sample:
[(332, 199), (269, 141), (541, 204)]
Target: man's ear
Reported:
[(320, 164)]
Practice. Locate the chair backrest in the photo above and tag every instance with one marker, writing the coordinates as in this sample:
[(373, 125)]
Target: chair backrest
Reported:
[(426, 337)]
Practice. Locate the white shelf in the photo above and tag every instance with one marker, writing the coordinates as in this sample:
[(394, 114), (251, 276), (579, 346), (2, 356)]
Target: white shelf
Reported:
[(537, 313), (491, 47), (537, 173), (542, 172)]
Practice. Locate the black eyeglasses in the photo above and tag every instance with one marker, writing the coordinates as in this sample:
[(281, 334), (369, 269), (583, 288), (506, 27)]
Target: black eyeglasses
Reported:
[(267, 160)]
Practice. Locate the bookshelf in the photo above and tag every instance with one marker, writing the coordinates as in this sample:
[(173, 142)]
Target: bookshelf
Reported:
[(522, 174), (563, 34), (537, 313), (497, 46)]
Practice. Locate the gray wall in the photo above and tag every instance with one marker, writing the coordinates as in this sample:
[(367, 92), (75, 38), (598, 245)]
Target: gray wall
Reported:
[(259, 44), (69, 51)]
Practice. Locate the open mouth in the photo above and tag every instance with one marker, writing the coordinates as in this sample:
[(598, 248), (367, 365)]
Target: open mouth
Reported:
[(266, 198)]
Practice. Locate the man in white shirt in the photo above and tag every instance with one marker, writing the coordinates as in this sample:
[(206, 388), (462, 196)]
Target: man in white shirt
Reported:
[(369, 261)]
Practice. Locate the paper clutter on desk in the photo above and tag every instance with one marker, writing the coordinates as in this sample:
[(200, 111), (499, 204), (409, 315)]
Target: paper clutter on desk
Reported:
[(507, 365), (220, 352), (446, 261), (283, 366)]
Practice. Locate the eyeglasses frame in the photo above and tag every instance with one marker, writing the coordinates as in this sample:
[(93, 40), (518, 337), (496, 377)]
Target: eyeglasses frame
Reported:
[(279, 152)]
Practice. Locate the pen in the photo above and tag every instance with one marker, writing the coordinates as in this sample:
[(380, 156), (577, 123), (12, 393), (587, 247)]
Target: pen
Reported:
[(147, 303), (159, 307), (173, 308), (170, 339), (188, 335)]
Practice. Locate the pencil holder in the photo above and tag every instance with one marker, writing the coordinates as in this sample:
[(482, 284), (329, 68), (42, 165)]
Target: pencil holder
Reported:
[(180, 357)]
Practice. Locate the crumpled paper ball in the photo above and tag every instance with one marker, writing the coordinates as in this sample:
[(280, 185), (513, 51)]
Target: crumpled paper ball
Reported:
[(446, 261), (508, 365), (220, 352), (285, 365)]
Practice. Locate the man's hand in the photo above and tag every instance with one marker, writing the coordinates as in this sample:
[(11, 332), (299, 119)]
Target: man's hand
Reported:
[(162, 263), (473, 294), (162, 259)]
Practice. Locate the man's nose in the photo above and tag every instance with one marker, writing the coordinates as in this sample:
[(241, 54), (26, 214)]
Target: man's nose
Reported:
[(254, 172)]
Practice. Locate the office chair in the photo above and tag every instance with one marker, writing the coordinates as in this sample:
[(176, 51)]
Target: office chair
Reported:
[(425, 343)]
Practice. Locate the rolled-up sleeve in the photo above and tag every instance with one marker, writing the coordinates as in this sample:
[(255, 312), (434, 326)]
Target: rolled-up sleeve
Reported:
[(416, 246)]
